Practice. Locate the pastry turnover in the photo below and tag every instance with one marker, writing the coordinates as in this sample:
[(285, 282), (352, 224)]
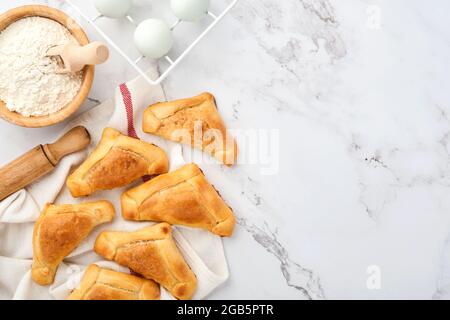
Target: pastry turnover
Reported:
[(104, 284), (152, 253), (181, 197), (194, 121), (59, 230), (117, 161)]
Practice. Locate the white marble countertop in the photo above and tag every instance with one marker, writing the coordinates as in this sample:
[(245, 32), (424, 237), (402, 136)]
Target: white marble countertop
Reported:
[(352, 199)]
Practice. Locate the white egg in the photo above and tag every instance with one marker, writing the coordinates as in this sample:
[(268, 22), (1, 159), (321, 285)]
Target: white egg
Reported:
[(113, 8), (189, 10), (153, 38)]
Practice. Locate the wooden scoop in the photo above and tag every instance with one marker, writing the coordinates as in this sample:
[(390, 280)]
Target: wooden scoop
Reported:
[(75, 57), (40, 160)]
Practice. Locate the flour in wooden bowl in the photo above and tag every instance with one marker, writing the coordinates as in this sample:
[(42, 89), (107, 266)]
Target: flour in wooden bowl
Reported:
[(29, 80)]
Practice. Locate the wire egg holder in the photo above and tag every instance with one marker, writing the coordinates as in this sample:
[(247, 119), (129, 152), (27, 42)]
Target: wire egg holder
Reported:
[(173, 63)]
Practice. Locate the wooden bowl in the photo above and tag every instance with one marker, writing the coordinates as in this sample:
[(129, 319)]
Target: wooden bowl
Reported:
[(88, 72)]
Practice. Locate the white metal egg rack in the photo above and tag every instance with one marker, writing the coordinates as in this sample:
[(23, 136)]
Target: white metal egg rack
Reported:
[(172, 63)]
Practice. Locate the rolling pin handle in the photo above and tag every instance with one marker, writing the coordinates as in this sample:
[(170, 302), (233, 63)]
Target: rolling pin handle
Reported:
[(74, 140)]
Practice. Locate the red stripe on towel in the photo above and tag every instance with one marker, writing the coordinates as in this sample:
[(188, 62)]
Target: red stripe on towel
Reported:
[(128, 102)]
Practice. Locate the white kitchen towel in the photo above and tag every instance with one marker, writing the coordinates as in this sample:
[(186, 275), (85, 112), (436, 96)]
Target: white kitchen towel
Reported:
[(202, 250)]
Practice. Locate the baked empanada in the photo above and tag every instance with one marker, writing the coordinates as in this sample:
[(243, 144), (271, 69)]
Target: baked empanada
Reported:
[(59, 230), (152, 253), (184, 197), (194, 121), (104, 284), (117, 161)]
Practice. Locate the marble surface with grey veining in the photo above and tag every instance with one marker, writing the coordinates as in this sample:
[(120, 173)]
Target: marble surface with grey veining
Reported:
[(351, 98)]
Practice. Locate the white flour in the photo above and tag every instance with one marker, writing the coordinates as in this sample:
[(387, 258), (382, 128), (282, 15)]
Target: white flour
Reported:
[(29, 83)]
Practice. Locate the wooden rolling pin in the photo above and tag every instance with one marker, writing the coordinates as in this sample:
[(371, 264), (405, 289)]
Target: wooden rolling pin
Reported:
[(40, 160)]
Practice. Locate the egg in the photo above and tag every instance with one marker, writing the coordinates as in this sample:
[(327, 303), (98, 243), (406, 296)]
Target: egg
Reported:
[(189, 10), (113, 8), (153, 38)]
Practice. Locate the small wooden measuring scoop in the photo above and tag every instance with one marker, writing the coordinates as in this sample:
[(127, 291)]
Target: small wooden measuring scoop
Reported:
[(40, 160), (75, 57)]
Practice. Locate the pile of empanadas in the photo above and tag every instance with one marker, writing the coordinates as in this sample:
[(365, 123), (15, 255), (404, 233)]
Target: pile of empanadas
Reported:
[(181, 197)]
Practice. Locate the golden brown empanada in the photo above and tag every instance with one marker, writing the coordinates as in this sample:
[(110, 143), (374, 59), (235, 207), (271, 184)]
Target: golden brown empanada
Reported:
[(194, 121), (117, 161), (104, 284), (152, 253), (184, 197), (59, 230)]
